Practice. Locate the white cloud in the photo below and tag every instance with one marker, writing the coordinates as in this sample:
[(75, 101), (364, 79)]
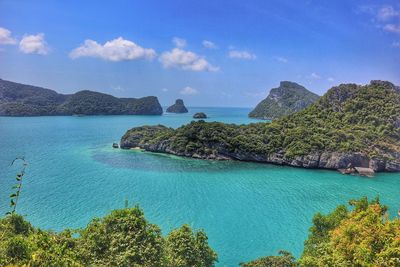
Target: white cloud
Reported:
[(386, 13), (385, 17), (282, 59), (396, 44), (34, 44), (5, 37), (241, 55), (164, 90), (330, 79), (179, 42), (394, 28), (315, 76), (188, 91), (209, 44), (115, 50), (186, 60)]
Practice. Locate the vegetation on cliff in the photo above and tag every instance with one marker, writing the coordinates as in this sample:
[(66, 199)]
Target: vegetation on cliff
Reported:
[(25, 100), (288, 98), (348, 119)]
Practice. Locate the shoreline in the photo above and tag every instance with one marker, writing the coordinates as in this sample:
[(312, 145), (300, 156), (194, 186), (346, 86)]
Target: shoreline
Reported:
[(336, 162)]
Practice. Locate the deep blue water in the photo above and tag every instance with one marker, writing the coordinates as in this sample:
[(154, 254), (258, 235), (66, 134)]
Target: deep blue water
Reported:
[(247, 209)]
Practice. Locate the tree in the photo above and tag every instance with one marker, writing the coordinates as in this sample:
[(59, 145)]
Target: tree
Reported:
[(188, 249), (363, 237), (122, 238), (284, 259)]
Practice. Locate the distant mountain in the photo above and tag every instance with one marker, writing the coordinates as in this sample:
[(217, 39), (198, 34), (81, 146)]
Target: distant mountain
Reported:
[(26, 100), (288, 98), (178, 107)]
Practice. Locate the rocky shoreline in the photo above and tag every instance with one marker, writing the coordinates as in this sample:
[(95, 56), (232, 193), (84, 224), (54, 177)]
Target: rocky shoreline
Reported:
[(317, 160)]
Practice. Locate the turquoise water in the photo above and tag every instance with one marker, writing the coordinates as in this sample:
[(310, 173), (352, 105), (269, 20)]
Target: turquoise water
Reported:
[(248, 210)]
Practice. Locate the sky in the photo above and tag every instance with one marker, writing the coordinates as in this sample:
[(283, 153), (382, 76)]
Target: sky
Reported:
[(209, 53)]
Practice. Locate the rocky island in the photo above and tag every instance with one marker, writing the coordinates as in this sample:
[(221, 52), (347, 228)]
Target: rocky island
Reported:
[(200, 115), (178, 107), (288, 98), (351, 125), (26, 100)]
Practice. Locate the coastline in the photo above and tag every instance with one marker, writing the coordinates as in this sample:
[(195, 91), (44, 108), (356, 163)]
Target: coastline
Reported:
[(319, 160)]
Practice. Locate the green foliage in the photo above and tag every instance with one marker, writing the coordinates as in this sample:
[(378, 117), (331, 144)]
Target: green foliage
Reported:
[(188, 249), (348, 118), (15, 196), (20, 243), (284, 259), (363, 236), (122, 238)]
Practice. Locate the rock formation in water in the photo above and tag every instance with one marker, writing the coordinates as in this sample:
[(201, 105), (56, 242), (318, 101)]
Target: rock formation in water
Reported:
[(351, 125), (178, 107), (288, 98), (200, 115), (26, 100)]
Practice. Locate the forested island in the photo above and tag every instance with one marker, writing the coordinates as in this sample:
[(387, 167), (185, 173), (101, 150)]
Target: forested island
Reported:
[(350, 126), (25, 100), (286, 99)]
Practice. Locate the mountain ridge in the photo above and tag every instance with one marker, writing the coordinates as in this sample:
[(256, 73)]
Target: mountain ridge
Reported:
[(288, 98), (18, 99)]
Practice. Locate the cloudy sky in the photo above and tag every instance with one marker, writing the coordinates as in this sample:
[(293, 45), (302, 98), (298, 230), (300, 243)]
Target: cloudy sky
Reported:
[(210, 53)]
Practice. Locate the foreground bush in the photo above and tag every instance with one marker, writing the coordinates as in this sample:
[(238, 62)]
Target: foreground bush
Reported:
[(122, 238), (362, 236)]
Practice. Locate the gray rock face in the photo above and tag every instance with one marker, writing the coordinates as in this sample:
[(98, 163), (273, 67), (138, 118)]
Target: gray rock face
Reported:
[(178, 107)]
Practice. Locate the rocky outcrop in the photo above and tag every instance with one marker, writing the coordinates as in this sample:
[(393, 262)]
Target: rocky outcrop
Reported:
[(288, 98), (200, 115), (25, 100), (320, 160), (178, 107), (144, 138)]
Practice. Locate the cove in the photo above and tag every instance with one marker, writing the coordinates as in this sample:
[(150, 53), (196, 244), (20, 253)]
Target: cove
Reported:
[(247, 209)]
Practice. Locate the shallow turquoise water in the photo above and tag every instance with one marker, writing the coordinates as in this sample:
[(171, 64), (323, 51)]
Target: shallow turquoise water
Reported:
[(247, 209)]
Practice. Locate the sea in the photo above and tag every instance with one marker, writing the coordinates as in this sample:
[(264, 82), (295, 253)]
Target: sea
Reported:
[(248, 210)]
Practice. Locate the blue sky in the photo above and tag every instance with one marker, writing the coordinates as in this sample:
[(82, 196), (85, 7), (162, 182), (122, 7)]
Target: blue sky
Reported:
[(210, 53)]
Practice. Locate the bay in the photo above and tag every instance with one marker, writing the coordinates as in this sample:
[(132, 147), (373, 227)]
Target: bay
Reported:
[(247, 209)]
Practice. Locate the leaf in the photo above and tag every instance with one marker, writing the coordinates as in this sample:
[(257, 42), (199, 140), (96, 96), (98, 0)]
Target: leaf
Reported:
[(12, 203), (8, 213), (13, 195)]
